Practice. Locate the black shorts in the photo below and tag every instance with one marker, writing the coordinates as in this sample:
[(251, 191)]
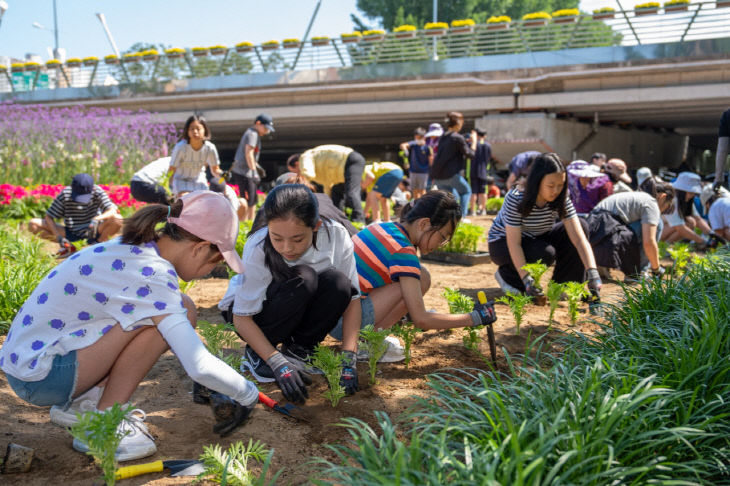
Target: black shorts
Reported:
[(246, 188), (478, 186), (149, 193)]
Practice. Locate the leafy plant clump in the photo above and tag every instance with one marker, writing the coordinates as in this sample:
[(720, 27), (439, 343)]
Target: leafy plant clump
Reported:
[(220, 336), (681, 255), (575, 291), (330, 362), (101, 433), (458, 302), (407, 332), (375, 344), (555, 291), (494, 204), (536, 271), (231, 466), (465, 240), (516, 303)]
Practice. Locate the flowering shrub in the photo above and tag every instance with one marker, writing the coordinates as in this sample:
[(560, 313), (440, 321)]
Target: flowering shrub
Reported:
[(604, 10), (676, 2), (566, 12), (53, 63), (436, 26), (90, 59), (32, 66), (499, 19), (320, 38), (292, 40), (175, 50), (463, 23), (647, 5), (272, 42), (110, 59), (405, 28), (536, 16), (374, 32), (41, 144), (73, 61), (351, 34)]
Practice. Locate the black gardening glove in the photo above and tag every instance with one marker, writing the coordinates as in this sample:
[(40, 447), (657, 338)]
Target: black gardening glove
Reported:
[(594, 284), (293, 382), (228, 413), (483, 314), (533, 290), (348, 379)]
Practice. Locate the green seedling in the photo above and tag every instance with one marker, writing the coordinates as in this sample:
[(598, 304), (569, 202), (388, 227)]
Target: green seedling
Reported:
[(330, 362), (536, 271), (575, 291), (516, 303), (681, 255), (458, 302), (554, 292), (100, 432), (376, 346), (407, 332), (231, 466), (184, 286), (471, 339), (494, 204), (465, 239), (220, 336), (663, 247)]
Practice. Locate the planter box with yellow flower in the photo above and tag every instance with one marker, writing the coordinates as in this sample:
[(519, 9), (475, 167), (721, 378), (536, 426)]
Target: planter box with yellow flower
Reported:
[(566, 16), (4, 68), (649, 8), (676, 6), (351, 37), (535, 19), (405, 31), (111, 59), (244, 47), (218, 50), (498, 22), (435, 28), (270, 45), (73, 62), (321, 40), (150, 55), (291, 43), (722, 4), (374, 35), (31, 66), (53, 64), (603, 13), (17, 67), (175, 52), (200, 51), (463, 26), (90, 61), (132, 57)]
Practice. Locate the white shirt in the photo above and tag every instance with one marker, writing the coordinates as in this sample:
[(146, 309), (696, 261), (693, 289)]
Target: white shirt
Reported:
[(333, 251), (190, 164), (154, 172), (674, 219), (719, 214)]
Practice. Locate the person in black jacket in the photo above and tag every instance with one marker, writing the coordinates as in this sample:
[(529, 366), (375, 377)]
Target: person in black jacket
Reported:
[(450, 160)]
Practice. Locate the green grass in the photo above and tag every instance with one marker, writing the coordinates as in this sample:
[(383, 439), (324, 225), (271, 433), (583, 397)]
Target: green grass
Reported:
[(644, 401)]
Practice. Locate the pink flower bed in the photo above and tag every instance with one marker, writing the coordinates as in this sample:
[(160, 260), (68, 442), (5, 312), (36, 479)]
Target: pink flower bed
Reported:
[(119, 195)]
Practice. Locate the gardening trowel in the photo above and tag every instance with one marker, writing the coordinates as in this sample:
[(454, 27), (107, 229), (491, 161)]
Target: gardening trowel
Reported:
[(184, 467), (490, 331), (289, 410)]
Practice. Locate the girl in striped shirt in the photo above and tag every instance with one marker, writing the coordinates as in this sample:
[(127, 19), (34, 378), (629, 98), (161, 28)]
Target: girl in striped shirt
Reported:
[(527, 229)]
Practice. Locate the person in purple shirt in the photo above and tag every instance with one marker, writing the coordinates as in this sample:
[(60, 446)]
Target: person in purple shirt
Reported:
[(519, 166)]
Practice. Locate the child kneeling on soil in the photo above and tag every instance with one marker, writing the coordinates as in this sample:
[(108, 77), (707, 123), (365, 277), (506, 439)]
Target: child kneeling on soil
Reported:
[(300, 279), (525, 231), (392, 280), (94, 327), (380, 180)]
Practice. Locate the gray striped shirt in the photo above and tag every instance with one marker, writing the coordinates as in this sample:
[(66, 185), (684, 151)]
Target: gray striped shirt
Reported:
[(538, 222)]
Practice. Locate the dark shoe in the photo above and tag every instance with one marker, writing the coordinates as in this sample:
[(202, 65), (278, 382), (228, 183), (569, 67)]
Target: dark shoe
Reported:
[(253, 363), (201, 394), (301, 357)]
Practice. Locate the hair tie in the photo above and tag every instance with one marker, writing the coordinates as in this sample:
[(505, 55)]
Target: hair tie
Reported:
[(169, 210)]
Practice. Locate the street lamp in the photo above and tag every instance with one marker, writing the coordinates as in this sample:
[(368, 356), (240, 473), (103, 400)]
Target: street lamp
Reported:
[(56, 51), (516, 92)]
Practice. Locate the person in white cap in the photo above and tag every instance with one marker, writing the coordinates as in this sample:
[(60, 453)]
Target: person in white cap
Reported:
[(685, 218), (97, 323), (716, 200)]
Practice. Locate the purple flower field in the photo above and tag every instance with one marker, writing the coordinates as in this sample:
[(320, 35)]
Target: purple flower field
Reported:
[(42, 144)]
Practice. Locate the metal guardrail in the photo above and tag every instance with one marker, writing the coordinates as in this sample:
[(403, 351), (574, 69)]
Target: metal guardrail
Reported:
[(703, 20)]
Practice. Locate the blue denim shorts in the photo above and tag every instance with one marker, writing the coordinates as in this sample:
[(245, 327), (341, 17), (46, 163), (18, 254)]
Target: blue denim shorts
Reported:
[(387, 182), (368, 317), (55, 389)]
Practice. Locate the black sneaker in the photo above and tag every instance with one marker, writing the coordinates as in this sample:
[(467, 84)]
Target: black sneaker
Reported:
[(253, 363), (301, 357)]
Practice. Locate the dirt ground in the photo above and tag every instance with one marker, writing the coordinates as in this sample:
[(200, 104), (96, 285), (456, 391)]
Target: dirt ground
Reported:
[(182, 428)]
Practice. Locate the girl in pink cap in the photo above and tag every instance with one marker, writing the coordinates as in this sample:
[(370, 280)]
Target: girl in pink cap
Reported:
[(99, 321)]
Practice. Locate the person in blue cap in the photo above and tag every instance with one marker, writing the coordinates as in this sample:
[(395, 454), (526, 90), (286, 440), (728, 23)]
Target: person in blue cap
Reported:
[(87, 212)]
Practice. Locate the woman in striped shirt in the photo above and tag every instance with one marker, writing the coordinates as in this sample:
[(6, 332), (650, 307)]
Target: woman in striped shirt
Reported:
[(527, 229)]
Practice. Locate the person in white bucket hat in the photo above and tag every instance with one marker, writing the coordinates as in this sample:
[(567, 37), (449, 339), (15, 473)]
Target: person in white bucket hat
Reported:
[(680, 224), (717, 203)]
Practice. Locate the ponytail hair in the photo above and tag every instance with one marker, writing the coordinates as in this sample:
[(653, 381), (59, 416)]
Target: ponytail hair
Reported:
[(284, 202), (453, 119), (654, 187), (141, 227), (440, 207)]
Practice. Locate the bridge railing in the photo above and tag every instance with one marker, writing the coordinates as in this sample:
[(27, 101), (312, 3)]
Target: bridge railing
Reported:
[(694, 21)]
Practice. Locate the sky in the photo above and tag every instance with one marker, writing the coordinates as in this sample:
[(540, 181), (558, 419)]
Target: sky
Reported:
[(175, 23)]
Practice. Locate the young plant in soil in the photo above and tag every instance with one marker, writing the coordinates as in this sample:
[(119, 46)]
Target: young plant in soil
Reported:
[(536, 271), (231, 466), (376, 346), (554, 292), (681, 255), (663, 247), (462, 304), (330, 362), (407, 332), (575, 291), (99, 431), (465, 239), (185, 286), (220, 336), (516, 303)]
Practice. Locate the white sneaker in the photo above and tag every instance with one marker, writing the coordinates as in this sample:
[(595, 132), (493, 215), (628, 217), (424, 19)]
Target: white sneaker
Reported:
[(506, 288), (137, 442), (86, 402), (393, 354)]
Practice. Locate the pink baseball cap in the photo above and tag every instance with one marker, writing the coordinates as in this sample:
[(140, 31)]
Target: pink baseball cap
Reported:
[(209, 215)]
